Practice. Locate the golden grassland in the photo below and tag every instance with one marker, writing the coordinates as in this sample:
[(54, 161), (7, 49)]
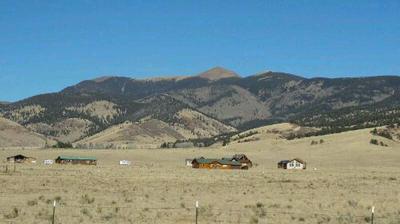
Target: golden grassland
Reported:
[(350, 176)]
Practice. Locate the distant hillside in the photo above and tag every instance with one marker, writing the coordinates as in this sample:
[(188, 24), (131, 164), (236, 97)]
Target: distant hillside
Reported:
[(151, 133), (15, 135), (345, 143), (91, 106)]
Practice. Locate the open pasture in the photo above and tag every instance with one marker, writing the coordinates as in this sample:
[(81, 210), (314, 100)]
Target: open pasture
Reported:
[(350, 177)]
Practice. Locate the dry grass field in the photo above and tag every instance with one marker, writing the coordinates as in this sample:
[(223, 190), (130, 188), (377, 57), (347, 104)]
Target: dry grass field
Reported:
[(351, 175)]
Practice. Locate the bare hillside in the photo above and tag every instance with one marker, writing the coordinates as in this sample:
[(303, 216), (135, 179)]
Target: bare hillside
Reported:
[(151, 133), (351, 142), (144, 134), (217, 73), (14, 135), (68, 130)]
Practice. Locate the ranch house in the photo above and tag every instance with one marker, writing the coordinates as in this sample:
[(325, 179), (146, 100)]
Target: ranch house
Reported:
[(76, 160), (296, 163), (203, 163)]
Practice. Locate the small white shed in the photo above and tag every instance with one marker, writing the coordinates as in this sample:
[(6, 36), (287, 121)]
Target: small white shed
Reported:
[(188, 162), (296, 164), (125, 162), (48, 162)]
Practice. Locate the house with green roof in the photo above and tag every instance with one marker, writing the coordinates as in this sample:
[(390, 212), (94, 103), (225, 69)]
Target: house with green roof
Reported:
[(76, 160)]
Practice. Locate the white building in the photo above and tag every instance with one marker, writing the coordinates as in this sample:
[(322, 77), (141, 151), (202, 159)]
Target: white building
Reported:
[(125, 162), (48, 162), (188, 162), (296, 163)]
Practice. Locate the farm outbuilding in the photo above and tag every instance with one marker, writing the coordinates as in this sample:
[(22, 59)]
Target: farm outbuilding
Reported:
[(203, 163), (48, 162), (296, 163), (125, 162), (188, 162), (21, 159), (76, 160)]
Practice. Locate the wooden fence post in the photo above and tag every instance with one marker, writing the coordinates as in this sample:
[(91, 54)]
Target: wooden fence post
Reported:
[(197, 211), (372, 214), (54, 212)]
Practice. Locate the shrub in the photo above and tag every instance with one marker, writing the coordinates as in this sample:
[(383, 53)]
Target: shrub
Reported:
[(32, 202), (374, 142), (13, 214)]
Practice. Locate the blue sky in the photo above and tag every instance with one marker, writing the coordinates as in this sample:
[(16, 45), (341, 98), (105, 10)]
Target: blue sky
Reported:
[(48, 45)]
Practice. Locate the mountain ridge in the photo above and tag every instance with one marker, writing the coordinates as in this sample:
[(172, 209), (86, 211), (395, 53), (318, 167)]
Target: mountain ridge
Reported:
[(222, 95)]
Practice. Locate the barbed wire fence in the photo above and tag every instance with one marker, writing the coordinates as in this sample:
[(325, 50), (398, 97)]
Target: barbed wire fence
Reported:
[(61, 213), (57, 213)]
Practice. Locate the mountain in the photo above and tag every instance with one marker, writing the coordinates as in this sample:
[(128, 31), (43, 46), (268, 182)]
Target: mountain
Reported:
[(218, 73), (15, 135), (93, 106)]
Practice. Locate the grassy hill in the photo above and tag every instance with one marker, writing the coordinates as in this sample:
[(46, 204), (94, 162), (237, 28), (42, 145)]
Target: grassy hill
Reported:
[(151, 133), (13, 135)]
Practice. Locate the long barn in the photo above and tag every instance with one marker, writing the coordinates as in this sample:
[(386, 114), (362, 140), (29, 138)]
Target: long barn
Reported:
[(76, 160)]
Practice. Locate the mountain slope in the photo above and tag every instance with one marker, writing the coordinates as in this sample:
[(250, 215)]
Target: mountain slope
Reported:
[(92, 106), (151, 133), (15, 135)]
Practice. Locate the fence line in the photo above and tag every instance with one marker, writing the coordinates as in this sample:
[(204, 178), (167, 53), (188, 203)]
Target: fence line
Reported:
[(268, 213)]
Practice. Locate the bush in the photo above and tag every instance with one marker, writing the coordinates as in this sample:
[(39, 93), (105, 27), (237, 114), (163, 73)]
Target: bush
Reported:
[(382, 133), (32, 203), (13, 214), (374, 142)]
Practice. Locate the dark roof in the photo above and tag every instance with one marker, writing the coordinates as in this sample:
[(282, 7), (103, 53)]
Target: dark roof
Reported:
[(297, 159), (19, 156), (220, 161), (76, 158), (239, 156), (284, 161)]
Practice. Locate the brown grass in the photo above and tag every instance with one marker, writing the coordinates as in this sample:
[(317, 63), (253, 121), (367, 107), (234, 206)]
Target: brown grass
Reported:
[(351, 176)]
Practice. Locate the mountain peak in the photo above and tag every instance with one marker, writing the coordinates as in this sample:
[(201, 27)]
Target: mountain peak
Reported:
[(217, 73), (102, 78)]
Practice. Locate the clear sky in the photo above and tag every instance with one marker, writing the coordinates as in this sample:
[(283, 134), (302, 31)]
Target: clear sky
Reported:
[(48, 45)]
